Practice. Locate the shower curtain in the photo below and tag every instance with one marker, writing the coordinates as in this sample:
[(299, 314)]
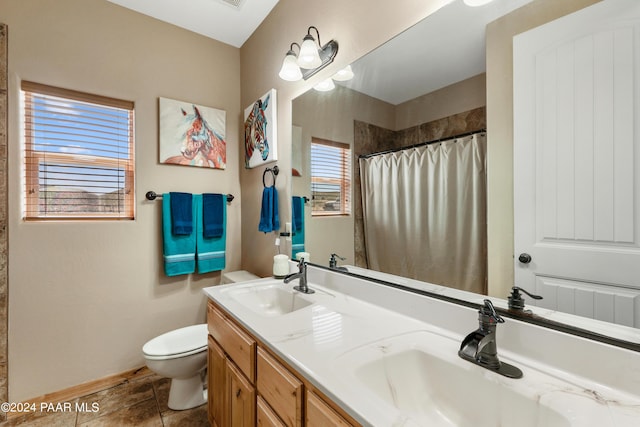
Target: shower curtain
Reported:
[(424, 212)]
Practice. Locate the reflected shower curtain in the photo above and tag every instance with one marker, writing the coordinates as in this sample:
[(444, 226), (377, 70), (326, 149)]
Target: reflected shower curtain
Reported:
[(424, 212)]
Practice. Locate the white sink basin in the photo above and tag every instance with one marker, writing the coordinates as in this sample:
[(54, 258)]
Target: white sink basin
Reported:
[(419, 377), (271, 299)]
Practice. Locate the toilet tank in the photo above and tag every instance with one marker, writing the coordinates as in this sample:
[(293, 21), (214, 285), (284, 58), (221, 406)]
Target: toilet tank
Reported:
[(237, 276)]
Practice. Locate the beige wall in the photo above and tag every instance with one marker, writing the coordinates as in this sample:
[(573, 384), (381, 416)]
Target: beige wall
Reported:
[(499, 57), (261, 58), (85, 296), (462, 96)]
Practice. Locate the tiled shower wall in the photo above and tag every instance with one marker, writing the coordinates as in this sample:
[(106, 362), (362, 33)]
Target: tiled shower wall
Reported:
[(3, 218), (372, 139)]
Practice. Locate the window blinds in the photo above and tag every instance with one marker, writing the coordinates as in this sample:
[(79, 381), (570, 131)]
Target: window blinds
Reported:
[(330, 178), (78, 155)]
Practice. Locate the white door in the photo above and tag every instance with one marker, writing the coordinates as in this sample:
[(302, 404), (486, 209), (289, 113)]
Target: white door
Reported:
[(577, 162)]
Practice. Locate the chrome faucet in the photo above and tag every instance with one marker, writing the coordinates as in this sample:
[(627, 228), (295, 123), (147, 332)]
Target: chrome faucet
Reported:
[(302, 275), (480, 347), (333, 262)]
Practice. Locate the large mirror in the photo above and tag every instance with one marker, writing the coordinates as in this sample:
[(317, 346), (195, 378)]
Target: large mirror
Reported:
[(411, 90)]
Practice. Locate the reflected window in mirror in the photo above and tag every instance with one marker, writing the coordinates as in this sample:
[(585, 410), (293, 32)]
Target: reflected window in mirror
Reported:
[(330, 178)]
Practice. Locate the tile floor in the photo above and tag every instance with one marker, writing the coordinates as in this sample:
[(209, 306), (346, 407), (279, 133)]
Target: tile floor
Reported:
[(139, 402)]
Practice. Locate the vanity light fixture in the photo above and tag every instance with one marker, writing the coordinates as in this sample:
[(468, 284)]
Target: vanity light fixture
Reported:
[(312, 57), (474, 3)]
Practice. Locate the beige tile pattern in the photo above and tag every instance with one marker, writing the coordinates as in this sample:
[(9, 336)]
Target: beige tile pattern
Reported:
[(140, 402)]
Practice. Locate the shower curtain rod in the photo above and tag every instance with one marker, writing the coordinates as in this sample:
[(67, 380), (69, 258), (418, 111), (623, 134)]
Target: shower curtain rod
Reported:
[(365, 156)]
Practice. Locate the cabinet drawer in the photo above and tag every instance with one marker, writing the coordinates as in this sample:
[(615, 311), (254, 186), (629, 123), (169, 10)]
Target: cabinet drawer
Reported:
[(280, 389), (319, 414), (240, 347), (266, 417)]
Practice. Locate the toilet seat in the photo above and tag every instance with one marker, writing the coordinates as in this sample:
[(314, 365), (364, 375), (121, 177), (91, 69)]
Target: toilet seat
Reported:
[(177, 343)]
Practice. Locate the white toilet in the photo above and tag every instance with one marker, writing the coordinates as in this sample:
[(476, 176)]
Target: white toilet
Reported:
[(237, 276), (181, 355)]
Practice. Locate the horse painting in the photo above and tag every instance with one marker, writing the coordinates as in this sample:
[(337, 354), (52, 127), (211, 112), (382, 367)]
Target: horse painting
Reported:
[(259, 132), (199, 143)]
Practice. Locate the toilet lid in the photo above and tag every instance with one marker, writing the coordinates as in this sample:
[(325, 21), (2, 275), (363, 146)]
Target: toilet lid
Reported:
[(184, 340)]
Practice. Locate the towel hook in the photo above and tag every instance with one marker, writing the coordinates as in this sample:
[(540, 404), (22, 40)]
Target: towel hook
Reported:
[(274, 172)]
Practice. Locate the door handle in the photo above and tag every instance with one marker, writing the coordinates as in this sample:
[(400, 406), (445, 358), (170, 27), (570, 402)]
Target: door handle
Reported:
[(524, 258)]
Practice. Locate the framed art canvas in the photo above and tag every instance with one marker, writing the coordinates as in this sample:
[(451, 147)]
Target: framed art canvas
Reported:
[(192, 135), (260, 131)]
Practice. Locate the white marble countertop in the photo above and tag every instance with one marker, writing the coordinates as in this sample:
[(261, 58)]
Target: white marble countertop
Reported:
[(340, 330)]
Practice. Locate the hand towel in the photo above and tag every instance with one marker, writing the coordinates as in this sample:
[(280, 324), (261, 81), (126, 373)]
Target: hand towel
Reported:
[(298, 213), (297, 240), (181, 213), (178, 250), (269, 215), (212, 214), (266, 225), (275, 213), (211, 251)]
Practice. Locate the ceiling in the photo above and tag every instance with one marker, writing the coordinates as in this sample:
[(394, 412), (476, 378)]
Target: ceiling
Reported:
[(217, 19)]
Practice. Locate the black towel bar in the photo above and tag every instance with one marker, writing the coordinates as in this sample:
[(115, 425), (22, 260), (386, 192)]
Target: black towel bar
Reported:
[(152, 195)]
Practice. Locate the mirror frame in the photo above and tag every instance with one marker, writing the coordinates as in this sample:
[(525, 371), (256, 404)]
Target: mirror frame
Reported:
[(524, 316)]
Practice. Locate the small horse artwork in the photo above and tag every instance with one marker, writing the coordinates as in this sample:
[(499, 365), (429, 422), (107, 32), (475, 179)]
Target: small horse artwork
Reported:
[(192, 135), (260, 131)]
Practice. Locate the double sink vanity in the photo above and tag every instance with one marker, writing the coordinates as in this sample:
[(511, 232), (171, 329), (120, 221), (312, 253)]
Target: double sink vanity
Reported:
[(359, 352)]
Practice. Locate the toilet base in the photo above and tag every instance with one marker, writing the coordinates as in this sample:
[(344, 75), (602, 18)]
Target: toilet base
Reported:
[(186, 393)]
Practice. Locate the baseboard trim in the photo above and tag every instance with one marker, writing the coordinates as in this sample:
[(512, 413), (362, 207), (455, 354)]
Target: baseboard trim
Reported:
[(90, 387)]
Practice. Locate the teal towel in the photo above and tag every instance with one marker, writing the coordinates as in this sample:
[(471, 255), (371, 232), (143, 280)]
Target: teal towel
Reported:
[(211, 252), (179, 250), (297, 240), (181, 213), (275, 213), (212, 215), (269, 215)]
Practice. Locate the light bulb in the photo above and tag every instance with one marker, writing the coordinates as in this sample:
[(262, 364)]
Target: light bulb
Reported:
[(474, 3), (325, 85), (309, 58), (290, 70), (343, 75)]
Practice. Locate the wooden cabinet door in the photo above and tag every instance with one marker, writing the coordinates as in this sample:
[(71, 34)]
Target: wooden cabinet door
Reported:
[(216, 378), (319, 414), (242, 399), (266, 416)]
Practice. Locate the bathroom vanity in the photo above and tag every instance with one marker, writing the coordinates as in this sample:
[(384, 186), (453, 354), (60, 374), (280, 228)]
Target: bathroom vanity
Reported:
[(359, 352)]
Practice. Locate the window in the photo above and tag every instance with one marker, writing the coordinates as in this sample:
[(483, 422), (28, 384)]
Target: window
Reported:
[(78, 155), (330, 178)]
